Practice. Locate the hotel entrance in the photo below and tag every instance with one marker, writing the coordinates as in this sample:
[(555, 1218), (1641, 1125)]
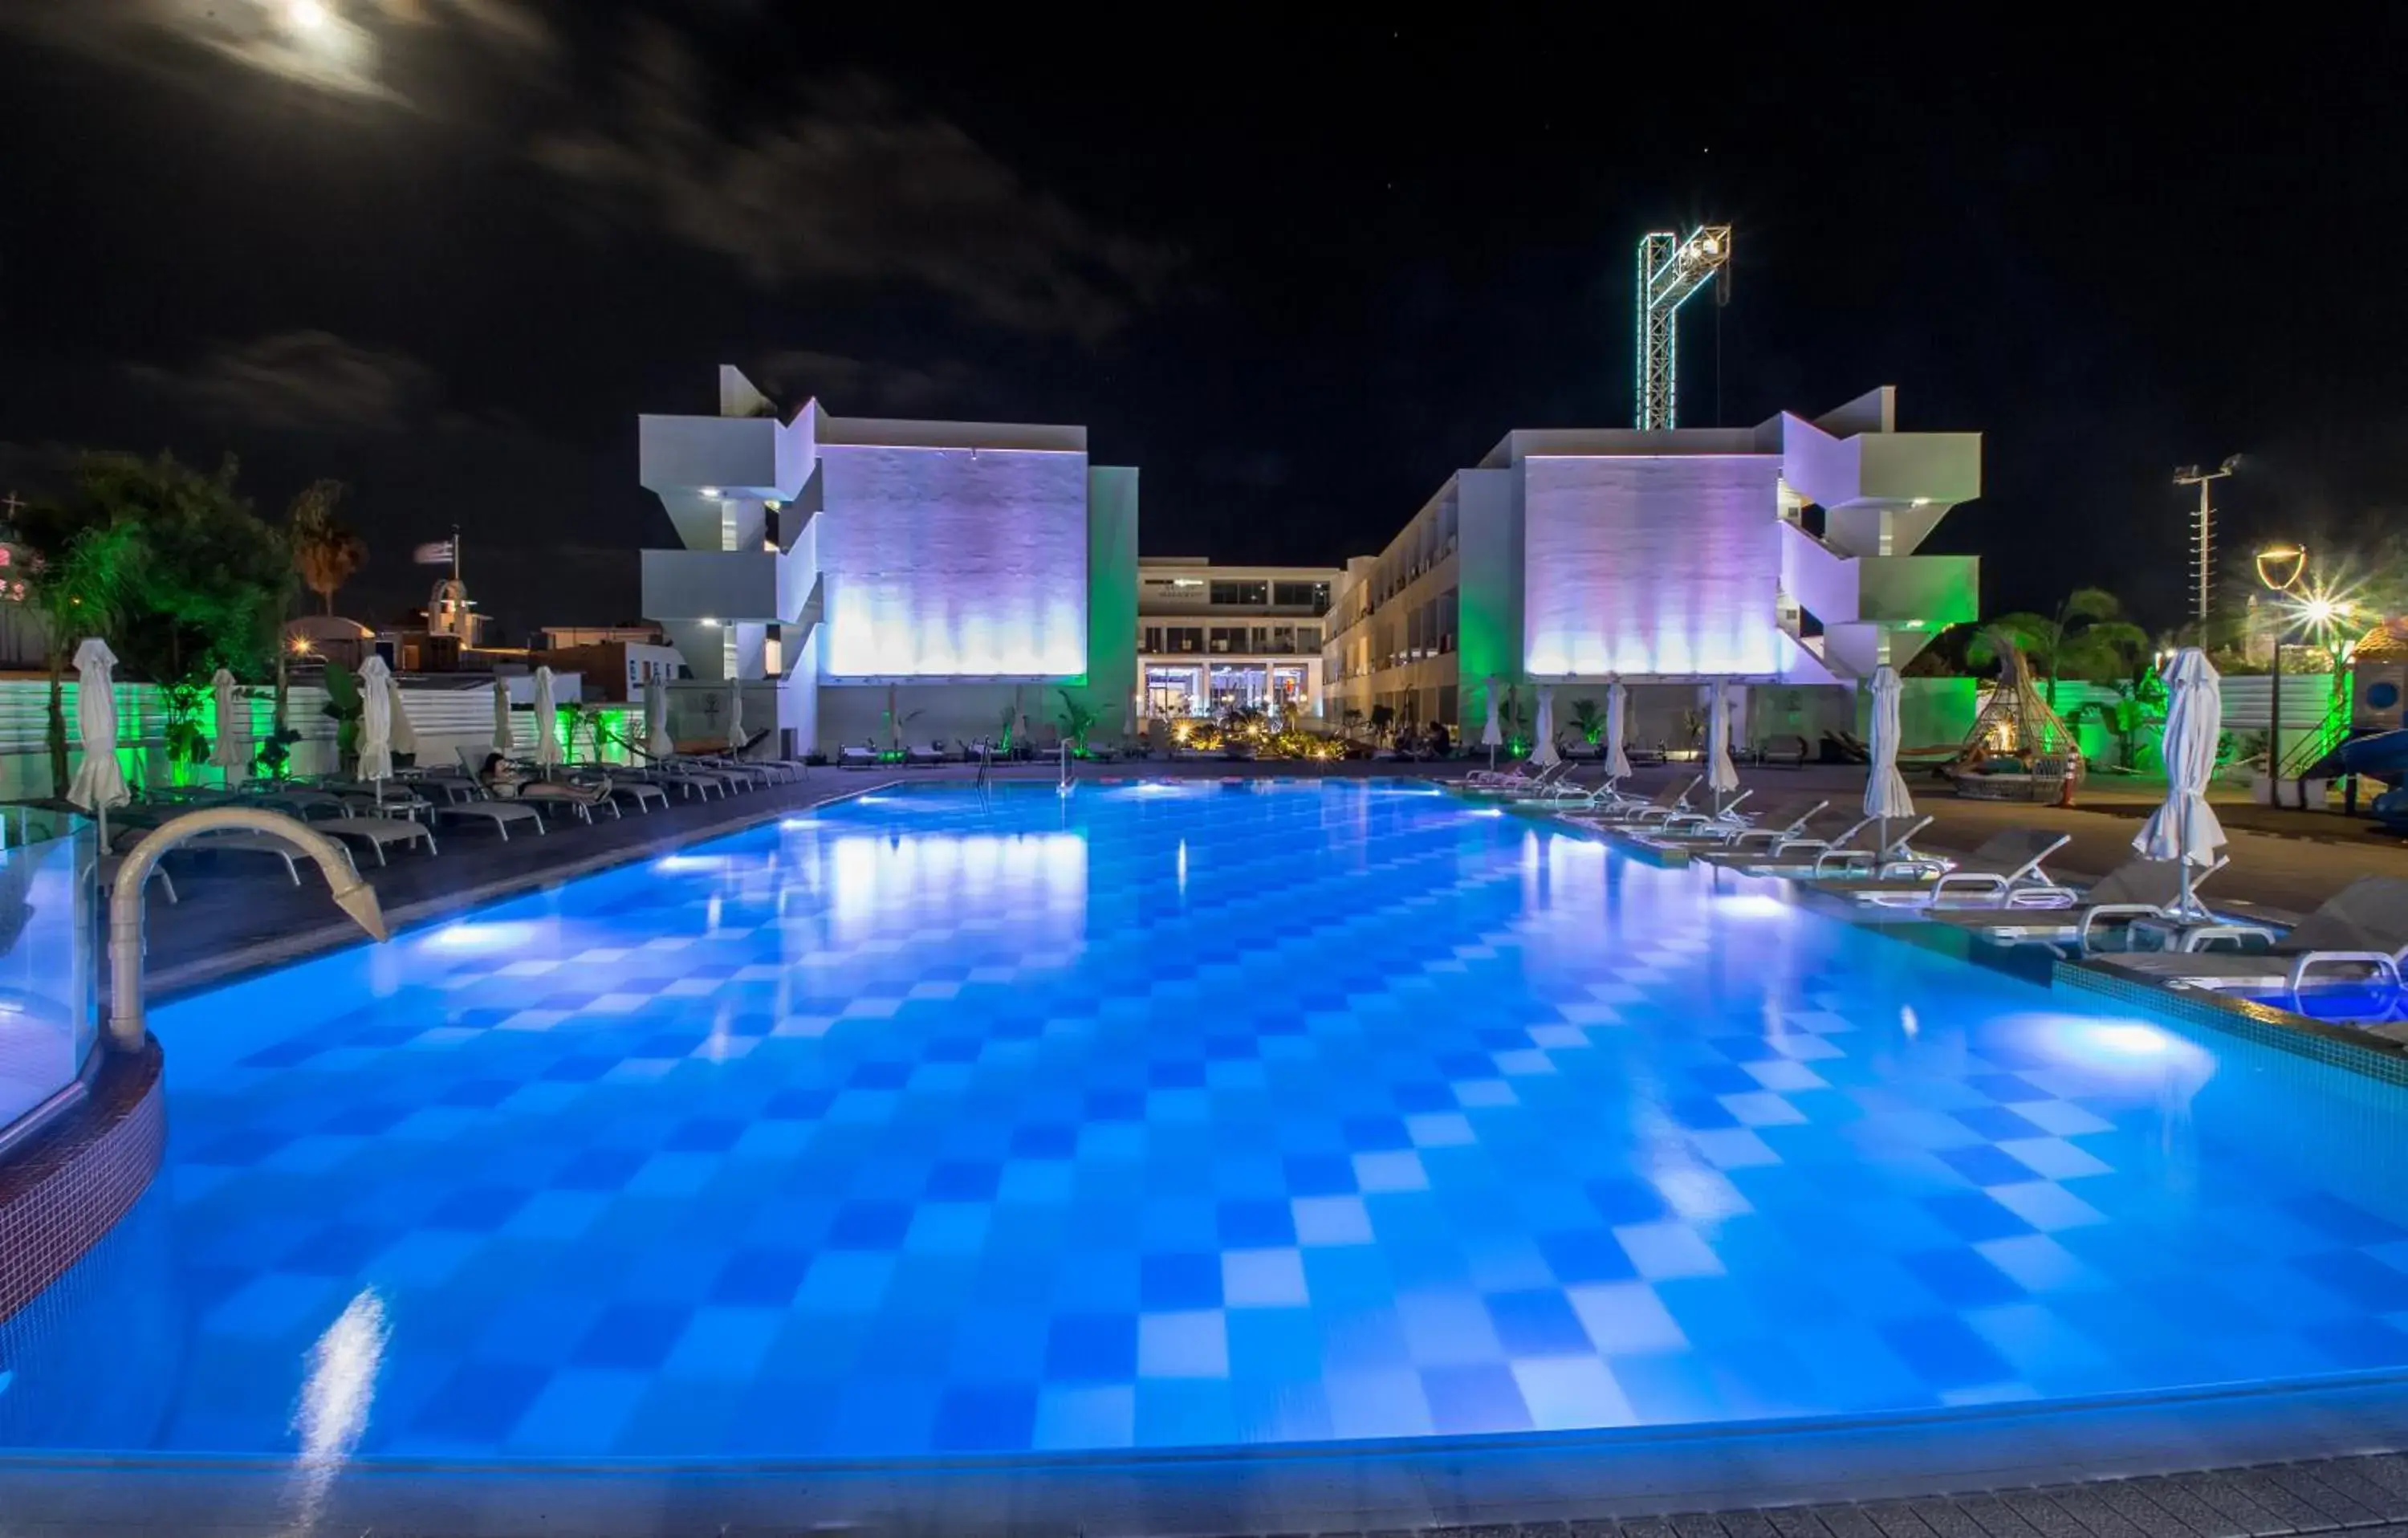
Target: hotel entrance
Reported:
[(1175, 691)]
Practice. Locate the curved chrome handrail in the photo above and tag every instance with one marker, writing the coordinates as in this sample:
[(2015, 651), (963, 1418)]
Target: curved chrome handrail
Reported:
[(126, 911)]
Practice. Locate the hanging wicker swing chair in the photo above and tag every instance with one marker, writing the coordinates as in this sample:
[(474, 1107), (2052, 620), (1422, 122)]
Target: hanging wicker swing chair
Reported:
[(2019, 749)]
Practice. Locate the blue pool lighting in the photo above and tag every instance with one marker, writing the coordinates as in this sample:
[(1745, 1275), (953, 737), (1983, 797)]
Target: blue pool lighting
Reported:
[(951, 1121)]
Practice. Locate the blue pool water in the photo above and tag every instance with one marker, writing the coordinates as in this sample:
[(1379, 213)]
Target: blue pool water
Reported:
[(1172, 1116)]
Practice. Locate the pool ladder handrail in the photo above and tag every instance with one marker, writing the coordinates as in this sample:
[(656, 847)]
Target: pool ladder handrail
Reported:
[(1064, 786), (352, 892)]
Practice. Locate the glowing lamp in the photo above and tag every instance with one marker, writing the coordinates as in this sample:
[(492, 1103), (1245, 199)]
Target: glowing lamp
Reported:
[(708, 491), (308, 15), (2281, 566)]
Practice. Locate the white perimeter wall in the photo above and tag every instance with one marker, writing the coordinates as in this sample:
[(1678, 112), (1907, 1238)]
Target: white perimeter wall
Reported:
[(954, 562), (1645, 567), (444, 719), (855, 714)]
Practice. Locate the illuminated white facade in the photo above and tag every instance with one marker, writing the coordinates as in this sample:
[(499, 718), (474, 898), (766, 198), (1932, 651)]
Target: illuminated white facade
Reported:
[(883, 581), (1781, 555)]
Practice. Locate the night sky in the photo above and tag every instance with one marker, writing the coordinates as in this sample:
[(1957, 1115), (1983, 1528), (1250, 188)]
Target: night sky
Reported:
[(1297, 271)]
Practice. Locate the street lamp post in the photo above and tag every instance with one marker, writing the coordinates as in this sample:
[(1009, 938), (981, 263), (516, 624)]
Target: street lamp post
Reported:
[(2279, 568), (2316, 608)]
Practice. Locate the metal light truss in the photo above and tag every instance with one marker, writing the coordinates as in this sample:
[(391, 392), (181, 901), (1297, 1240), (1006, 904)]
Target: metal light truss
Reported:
[(1670, 271)]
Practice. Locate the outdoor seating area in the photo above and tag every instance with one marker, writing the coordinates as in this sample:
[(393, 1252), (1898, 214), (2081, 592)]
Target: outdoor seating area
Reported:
[(410, 812), (384, 802), (2144, 919)]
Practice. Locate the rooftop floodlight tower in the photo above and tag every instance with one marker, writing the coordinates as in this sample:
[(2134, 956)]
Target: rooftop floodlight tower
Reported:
[(2202, 534), (1670, 271)]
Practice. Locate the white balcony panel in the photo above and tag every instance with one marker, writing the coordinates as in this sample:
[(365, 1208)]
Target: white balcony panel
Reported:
[(753, 586), (1937, 468), (749, 456), (1822, 581)]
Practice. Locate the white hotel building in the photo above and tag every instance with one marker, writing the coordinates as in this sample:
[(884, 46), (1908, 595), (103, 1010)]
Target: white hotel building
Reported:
[(877, 582), (1782, 556), (836, 569)]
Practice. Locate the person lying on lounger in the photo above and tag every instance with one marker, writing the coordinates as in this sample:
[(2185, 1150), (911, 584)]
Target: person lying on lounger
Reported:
[(508, 780)]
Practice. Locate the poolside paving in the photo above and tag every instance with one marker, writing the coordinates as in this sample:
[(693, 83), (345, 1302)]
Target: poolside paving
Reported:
[(2364, 1495)]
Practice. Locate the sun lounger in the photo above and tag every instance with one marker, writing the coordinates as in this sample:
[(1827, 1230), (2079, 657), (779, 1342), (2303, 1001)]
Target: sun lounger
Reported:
[(1567, 794), (734, 773), (2005, 869), (675, 775), (397, 802), (856, 755), (2137, 890), (1670, 801), (1756, 844), (1518, 777), (1556, 782), (1726, 815), (1781, 820), (446, 785), (642, 792), (498, 815), (238, 842), (578, 799), (920, 753), (309, 806), (1800, 856), (377, 832), (2363, 925)]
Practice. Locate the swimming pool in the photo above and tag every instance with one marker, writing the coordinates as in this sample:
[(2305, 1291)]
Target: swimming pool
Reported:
[(1183, 1116)]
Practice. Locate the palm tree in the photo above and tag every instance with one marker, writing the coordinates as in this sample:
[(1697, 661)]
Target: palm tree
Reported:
[(79, 591), (2088, 636), (1588, 720), (326, 551), (1079, 718)]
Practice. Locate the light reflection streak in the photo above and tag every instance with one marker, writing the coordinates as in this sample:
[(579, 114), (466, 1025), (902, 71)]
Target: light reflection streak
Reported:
[(336, 1396)]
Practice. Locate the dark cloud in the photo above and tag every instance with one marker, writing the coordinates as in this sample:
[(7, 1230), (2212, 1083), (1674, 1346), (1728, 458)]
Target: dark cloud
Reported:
[(300, 380), (857, 186)]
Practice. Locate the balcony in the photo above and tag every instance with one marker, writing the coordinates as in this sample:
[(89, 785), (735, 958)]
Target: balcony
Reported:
[(741, 456), (1933, 590), (1940, 470), (1930, 591), (743, 586)]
